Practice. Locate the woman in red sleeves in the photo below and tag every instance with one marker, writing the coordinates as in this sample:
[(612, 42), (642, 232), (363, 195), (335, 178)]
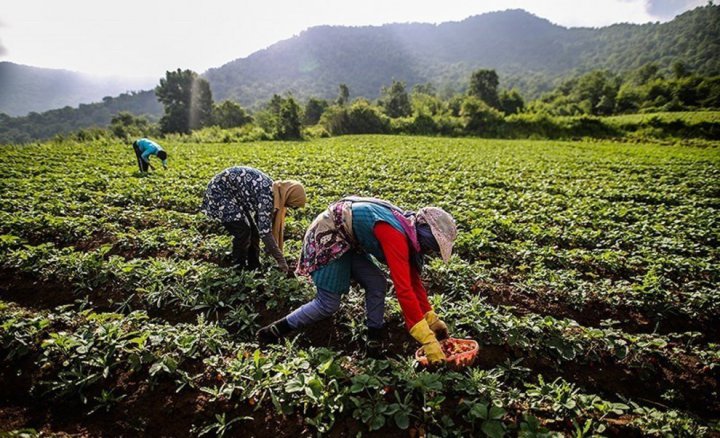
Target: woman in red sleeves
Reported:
[(337, 247)]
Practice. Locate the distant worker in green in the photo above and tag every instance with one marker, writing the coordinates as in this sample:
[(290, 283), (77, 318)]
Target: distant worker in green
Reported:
[(145, 147)]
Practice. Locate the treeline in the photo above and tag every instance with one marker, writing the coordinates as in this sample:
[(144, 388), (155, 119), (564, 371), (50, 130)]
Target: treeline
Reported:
[(38, 126), (646, 89), (573, 109)]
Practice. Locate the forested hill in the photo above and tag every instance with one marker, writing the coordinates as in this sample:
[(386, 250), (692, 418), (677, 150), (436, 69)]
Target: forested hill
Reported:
[(65, 120), (24, 88), (527, 51)]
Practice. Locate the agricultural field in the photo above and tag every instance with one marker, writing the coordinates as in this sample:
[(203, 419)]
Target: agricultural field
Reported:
[(587, 271)]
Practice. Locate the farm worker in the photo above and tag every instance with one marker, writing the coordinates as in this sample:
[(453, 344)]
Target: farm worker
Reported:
[(143, 149), (336, 248), (252, 207)]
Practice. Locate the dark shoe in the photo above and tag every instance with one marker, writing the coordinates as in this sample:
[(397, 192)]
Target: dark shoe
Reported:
[(375, 348), (272, 333)]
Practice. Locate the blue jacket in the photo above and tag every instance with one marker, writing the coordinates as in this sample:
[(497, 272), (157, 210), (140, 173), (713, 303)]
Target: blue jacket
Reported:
[(148, 147)]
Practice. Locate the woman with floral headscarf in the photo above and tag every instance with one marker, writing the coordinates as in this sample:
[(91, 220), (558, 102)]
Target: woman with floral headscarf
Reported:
[(252, 207), (336, 248)]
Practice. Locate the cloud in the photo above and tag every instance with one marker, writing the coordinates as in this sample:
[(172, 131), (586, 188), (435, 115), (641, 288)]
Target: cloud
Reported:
[(668, 9)]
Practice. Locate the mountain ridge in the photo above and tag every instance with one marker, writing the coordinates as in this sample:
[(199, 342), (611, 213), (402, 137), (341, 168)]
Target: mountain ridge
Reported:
[(514, 42), (28, 89), (529, 52)]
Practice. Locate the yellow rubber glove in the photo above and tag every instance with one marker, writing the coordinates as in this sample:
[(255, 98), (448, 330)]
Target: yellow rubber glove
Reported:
[(436, 325), (421, 331)]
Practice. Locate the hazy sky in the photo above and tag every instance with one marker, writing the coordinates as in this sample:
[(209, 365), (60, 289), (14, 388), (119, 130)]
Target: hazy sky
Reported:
[(147, 37)]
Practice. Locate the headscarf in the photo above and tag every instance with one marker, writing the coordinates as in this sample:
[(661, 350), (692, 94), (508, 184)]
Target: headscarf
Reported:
[(442, 226), (285, 194), (426, 238)]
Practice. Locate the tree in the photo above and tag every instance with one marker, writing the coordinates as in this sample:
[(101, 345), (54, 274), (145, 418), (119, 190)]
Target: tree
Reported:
[(679, 70), (427, 88), (343, 95), (281, 118), (511, 102), (187, 100), (484, 85), (125, 125), (596, 92), (646, 73), (359, 118), (478, 116), (314, 109), (229, 114), (395, 100), (288, 121)]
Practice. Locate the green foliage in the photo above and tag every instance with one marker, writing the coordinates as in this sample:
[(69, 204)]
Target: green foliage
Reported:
[(343, 95), (528, 52), (359, 118), (593, 93), (289, 124), (63, 121), (478, 117), (126, 126), (571, 106), (511, 102), (395, 100), (484, 86), (228, 114), (187, 99), (314, 109), (281, 118), (587, 225)]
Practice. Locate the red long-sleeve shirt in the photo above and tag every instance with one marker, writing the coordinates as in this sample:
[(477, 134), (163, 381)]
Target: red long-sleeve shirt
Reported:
[(409, 289)]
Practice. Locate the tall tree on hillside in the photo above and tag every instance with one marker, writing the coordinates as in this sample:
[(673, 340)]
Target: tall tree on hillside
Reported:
[(187, 100), (596, 92), (343, 95), (679, 70), (395, 100), (646, 73), (484, 86)]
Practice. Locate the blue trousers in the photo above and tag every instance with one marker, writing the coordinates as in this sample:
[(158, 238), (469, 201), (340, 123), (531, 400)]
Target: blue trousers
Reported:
[(326, 303)]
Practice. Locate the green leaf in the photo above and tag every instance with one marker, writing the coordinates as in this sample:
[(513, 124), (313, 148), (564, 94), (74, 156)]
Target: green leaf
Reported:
[(402, 420), (496, 413), (377, 422), (322, 369), (493, 429)]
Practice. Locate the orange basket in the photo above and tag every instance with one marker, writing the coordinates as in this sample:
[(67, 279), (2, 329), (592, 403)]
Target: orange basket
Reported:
[(468, 352)]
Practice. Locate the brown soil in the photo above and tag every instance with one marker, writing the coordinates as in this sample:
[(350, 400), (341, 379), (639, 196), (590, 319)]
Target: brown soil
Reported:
[(146, 411), (631, 320)]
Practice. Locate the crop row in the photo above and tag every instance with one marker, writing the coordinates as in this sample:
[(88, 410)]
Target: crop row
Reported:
[(98, 358), (237, 298), (585, 222)]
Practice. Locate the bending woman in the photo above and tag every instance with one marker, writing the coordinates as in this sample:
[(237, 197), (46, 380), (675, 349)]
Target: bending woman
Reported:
[(144, 148), (252, 207), (336, 248)]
